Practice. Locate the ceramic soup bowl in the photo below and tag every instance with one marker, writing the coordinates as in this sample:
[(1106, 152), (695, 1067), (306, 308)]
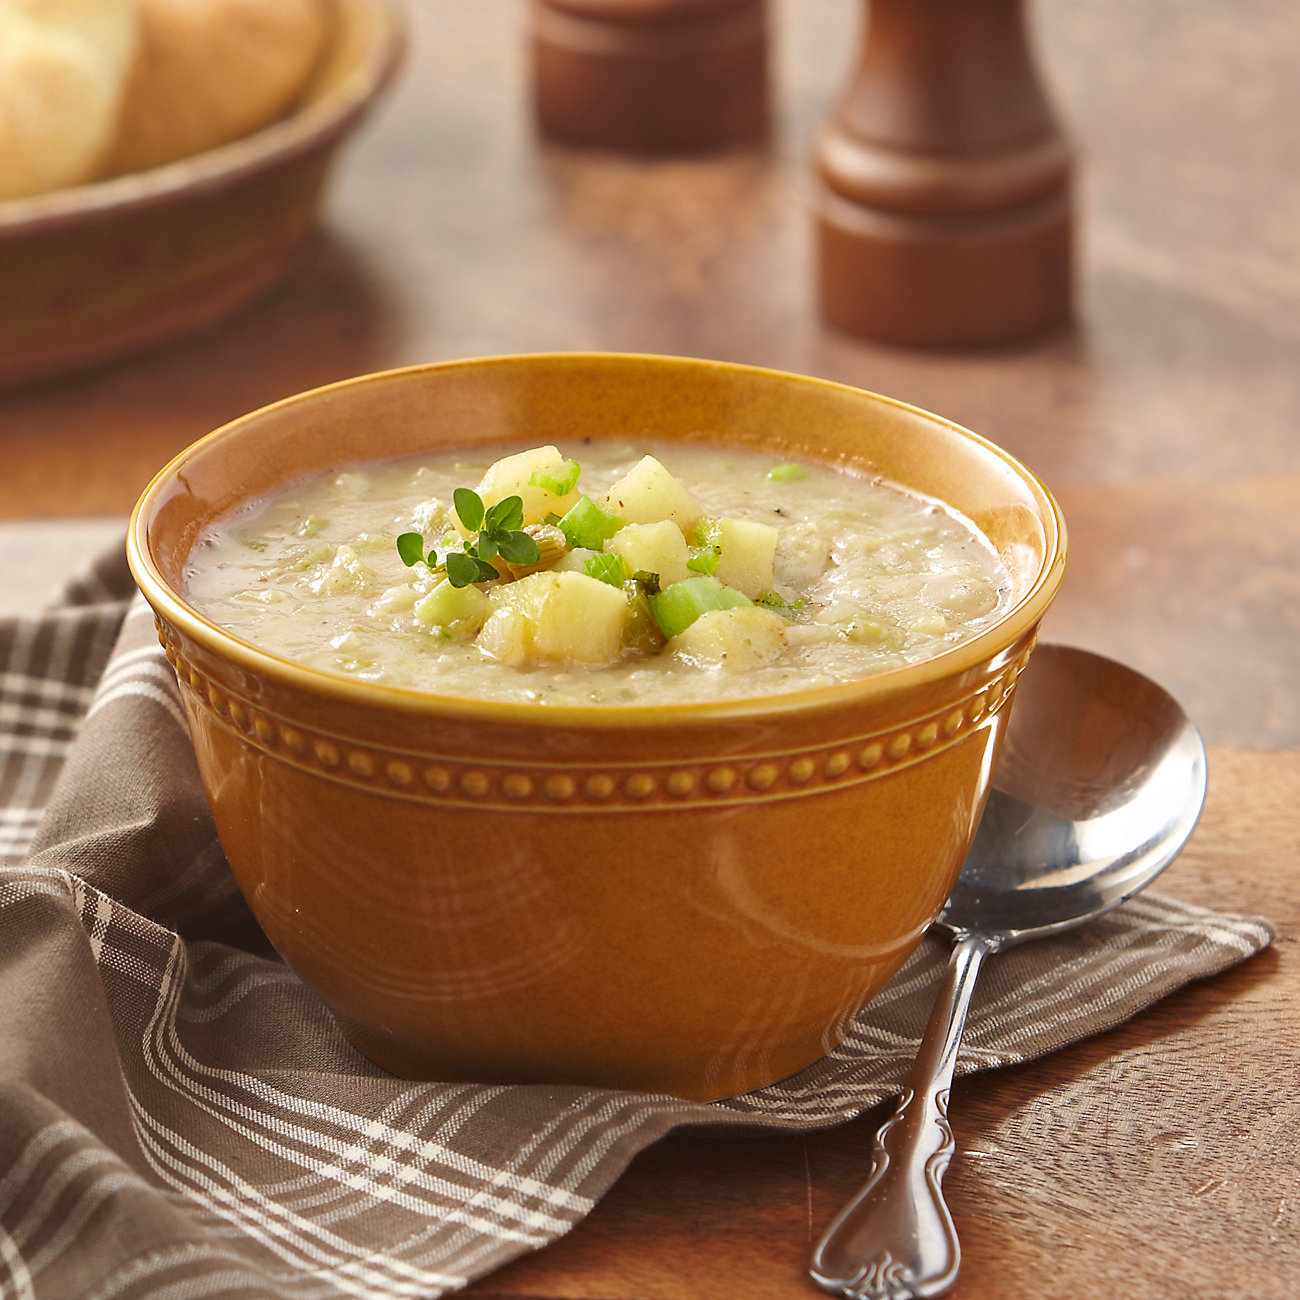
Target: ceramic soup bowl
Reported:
[(693, 899)]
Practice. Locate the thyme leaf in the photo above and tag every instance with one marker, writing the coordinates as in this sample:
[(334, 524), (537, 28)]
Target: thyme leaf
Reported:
[(497, 530)]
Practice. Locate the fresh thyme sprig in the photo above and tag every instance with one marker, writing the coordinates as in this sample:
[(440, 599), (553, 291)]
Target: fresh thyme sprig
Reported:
[(498, 530)]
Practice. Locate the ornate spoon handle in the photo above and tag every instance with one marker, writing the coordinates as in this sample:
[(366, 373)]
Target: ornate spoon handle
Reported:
[(895, 1239)]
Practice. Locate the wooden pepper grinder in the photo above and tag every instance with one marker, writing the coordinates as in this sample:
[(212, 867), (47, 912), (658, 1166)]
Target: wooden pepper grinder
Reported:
[(944, 182), (650, 75)]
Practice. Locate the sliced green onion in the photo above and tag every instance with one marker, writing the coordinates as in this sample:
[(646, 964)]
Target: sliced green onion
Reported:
[(641, 631), (787, 473), (560, 479), (703, 559), (606, 567), (677, 607), (448, 605), (588, 526), (704, 555), (773, 600), (707, 532)]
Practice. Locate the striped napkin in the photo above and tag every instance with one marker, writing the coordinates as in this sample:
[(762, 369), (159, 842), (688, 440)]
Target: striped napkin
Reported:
[(179, 1117)]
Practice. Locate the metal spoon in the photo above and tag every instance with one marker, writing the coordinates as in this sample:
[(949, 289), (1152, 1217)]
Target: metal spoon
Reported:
[(1100, 783)]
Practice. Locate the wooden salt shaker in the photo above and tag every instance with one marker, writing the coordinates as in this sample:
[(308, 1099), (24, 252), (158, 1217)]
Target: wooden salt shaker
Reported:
[(944, 204), (650, 75)]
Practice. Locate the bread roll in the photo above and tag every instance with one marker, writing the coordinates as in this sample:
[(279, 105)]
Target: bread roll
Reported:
[(63, 70), (210, 71)]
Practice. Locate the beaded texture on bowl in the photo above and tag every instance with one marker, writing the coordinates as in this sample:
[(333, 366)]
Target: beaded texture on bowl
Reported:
[(441, 779)]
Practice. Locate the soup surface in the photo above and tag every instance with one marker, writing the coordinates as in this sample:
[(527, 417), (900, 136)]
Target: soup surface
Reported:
[(662, 574)]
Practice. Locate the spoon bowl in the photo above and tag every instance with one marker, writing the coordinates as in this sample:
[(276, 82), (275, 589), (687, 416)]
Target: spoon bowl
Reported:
[(1100, 783)]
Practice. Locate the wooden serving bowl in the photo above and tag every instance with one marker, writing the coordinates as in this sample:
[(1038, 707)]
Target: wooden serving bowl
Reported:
[(98, 271), (691, 899)]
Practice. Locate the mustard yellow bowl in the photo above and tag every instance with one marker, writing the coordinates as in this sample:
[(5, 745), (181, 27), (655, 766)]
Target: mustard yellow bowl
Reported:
[(693, 899)]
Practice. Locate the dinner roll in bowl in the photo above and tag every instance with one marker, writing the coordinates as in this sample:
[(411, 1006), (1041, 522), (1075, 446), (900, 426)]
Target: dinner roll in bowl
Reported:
[(100, 268), (211, 71), (64, 66)]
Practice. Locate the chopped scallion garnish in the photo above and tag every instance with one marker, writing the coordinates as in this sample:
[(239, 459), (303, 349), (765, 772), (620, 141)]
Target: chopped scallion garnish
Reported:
[(678, 606), (587, 526), (773, 600), (706, 552), (560, 479), (606, 566), (786, 473)]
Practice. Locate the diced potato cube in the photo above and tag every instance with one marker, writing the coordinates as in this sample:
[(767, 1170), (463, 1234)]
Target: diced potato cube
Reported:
[(573, 561), (509, 477), (504, 636), (307, 557), (648, 493), (930, 622), (395, 600), (555, 616), (351, 642), (653, 548), (735, 639), (804, 556), (429, 517), (460, 610), (747, 552), (345, 573)]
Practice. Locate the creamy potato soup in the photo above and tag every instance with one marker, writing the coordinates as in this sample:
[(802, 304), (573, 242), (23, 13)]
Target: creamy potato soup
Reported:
[(600, 573)]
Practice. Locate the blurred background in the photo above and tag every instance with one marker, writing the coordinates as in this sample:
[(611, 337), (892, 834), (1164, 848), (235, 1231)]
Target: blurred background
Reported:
[(1165, 420)]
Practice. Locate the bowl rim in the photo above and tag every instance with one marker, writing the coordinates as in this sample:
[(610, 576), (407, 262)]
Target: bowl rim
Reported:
[(302, 130), (965, 656)]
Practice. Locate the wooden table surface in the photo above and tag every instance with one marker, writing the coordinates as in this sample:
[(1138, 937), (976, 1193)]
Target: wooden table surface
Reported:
[(1155, 1161)]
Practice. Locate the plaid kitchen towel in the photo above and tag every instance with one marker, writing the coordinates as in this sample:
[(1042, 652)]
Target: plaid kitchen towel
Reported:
[(179, 1117)]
